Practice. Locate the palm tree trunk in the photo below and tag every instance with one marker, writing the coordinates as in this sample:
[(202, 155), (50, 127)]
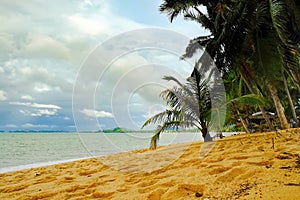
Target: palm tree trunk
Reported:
[(205, 133), (279, 108), (244, 123), (262, 109), (289, 98), (296, 78)]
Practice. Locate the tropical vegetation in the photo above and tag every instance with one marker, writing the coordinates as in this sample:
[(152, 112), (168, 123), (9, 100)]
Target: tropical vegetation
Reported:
[(255, 45), (189, 106)]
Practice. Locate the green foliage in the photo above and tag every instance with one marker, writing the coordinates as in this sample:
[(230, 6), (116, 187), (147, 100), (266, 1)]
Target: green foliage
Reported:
[(231, 128), (257, 39), (189, 106), (249, 99), (116, 130)]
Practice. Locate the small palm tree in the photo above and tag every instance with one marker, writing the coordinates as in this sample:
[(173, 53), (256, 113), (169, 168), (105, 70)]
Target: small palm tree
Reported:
[(189, 106)]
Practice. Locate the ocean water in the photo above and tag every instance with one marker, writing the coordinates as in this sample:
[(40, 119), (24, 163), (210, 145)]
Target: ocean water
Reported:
[(27, 150)]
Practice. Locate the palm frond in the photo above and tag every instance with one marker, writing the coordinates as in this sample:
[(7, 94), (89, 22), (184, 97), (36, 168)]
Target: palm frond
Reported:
[(172, 78), (189, 105), (249, 99), (160, 129), (163, 116), (279, 13), (195, 44)]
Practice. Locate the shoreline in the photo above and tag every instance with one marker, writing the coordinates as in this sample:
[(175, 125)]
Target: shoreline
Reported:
[(246, 166), (54, 162), (4, 170)]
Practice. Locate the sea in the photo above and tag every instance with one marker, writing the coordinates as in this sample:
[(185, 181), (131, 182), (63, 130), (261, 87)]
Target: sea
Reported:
[(23, 150)]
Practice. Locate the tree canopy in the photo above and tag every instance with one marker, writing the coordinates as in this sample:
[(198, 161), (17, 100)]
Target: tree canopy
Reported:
[(255, 45)]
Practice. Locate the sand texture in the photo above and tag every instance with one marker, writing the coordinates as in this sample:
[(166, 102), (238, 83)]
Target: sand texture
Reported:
[(246, 166)]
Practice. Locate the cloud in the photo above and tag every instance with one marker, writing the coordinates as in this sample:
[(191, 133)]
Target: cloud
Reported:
[(2, 95), (29, 125), (38, 112), (95, 113), (37, 109), (88, 26), (88, 2), (42, 88), (11, 126), (27, 97), (36, 105), (66, 118), (40, 55), (45, 46), (38, 81)]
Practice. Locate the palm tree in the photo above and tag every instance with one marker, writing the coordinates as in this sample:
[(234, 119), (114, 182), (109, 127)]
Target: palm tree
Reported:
[(228, 41), (262, 36), (189, 106), (285, 20), (289, 97)]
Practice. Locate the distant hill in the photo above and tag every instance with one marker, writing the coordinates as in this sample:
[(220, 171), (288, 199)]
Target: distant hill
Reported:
[(123, 130), (116, 130)]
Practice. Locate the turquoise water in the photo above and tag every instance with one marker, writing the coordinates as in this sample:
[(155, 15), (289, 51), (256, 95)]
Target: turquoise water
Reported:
[(18, 149), (26, 150)]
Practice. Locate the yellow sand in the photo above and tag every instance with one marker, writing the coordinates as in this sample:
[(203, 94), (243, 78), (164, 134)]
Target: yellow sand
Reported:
[(256, 166)]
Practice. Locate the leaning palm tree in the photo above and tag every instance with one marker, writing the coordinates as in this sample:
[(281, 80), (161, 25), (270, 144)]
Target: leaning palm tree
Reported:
[(228, 24), (189, 106), (260, 37)]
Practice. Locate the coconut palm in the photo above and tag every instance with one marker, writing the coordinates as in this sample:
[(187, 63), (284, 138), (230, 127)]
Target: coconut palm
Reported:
[(258, 39), (189, 106), (228, 41)]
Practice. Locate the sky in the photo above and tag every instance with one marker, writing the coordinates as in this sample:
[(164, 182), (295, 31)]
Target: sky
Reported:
[(76, 65)]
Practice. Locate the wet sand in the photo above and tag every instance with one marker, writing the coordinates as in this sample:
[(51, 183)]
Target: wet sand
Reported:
[(246, 166)]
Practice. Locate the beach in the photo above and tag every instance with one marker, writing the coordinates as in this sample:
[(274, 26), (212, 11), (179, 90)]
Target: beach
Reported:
[(244, 166)]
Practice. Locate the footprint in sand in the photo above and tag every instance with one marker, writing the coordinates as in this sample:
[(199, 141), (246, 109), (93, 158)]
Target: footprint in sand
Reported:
[(219, 169), (230, 175), (102, 194), (185, 190), (156, 194)]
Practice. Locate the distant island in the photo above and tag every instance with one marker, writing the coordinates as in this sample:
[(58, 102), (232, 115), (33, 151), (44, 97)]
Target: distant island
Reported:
[(115, 130), (123, 130)]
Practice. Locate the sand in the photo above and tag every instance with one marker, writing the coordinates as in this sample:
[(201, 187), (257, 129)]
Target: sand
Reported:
[(246, 166)]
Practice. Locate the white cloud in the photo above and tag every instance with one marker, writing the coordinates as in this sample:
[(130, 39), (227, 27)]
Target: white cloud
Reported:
[(41, 53), (36, 109), (38, 112), (51, 106), (27, 97), (29, 125), (36, 79), (11, 126), (88, 26), (88, 2), (45, 46), (3, 95), (95, 113), (42, 88), (36, 105)]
